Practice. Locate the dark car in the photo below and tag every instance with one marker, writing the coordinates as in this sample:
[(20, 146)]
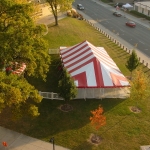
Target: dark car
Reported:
[(119, 5), (131, 24), (80, 7), (118, 14)]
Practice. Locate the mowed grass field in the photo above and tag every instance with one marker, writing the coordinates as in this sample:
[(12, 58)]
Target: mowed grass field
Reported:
[(124, 130)]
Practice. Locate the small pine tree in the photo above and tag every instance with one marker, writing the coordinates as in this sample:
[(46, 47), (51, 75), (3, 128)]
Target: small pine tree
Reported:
[(132, 62), (67, 87)]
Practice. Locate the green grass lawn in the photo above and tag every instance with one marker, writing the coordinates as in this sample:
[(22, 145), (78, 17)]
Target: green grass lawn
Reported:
[(124, 130)]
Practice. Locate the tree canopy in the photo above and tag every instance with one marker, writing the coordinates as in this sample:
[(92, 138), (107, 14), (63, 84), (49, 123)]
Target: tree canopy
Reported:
[(59, 6), (21, 42), (140, 85), (98, 119), (16, 93), (21, 39)]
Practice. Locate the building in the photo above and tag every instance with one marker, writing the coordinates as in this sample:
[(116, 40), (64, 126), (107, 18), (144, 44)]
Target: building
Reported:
[(143, 7)]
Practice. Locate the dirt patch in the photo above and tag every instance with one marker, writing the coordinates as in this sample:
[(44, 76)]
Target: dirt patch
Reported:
[(95, 139), (135, 109), (65, 107)]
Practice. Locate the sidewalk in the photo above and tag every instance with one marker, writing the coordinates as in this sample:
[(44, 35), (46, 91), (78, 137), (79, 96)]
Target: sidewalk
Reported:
[(18, 141), (50, 18)]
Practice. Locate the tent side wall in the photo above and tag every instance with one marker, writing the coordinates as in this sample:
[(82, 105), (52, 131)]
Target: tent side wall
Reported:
[(100, 93)]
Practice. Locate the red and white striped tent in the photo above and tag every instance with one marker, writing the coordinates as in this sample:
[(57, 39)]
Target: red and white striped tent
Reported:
[(20, 70), (96, 75)]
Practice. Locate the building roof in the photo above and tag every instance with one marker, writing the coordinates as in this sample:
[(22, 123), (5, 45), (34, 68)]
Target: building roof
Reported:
[(146, 3)]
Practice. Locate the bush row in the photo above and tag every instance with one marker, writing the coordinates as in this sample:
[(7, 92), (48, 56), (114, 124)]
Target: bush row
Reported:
[(139, 14)]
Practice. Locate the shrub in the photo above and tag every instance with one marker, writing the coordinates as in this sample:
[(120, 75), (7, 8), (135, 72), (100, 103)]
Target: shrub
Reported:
[(69, 13), (139, 14)]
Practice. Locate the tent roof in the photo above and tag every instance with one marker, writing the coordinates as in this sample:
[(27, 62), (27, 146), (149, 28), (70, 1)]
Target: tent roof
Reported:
[(127, 5), (91, 67)]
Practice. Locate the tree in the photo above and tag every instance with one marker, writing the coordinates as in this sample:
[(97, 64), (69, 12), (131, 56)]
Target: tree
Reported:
[(140, 86), (97, 120), (21, 40), (18, 95), (59, 6), (67, 87), (132, 62)]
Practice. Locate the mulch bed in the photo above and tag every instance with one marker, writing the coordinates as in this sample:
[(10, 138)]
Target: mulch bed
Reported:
[(135, 109), (65, 107), (95, 139)]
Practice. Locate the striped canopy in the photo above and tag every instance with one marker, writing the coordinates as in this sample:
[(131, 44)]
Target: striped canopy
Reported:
[(92, 67)]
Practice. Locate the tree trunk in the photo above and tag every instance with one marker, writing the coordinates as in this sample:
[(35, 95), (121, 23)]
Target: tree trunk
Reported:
[(56, 20), (54, 10)]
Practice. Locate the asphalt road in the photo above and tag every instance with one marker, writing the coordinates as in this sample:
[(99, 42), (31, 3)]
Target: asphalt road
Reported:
[(139, 36)]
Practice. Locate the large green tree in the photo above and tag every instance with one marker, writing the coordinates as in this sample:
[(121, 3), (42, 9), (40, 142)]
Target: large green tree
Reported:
[(59, 6), (67, 87), (18, 95), (21, 40), (132, 62)]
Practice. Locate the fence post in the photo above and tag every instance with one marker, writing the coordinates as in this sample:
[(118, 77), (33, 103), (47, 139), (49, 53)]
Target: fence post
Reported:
[(143, 61), (139, 59), (52, 95)]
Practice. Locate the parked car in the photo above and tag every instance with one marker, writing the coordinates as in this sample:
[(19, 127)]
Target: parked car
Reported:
[(118, 14), (131, 24), (80, 7), (119, 5)]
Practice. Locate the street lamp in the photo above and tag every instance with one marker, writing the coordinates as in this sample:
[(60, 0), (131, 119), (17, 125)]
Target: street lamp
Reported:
[(52, 141)]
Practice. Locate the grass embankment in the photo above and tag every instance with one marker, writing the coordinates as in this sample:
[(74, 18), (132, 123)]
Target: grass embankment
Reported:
[(123, 129)]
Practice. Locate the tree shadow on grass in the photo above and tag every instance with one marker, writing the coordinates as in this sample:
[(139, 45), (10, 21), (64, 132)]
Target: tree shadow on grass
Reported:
[(125, 55), (146, 70), (84, 146), (53, 121), (51, 83)]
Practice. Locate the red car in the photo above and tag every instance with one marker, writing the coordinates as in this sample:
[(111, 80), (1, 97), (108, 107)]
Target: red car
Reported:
[(131, 24)]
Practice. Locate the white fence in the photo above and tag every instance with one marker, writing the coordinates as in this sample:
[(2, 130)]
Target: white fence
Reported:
[(53, 51), (50, 95)]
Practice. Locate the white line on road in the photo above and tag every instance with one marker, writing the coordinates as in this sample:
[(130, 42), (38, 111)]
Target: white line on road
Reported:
[(141, 42), (121, 30)]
